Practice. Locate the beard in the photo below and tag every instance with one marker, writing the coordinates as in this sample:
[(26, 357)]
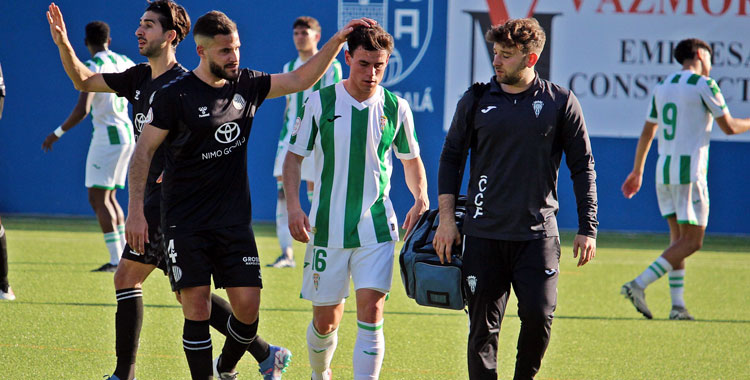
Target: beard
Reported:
[(513, 77), (220, 72), (151, 50)]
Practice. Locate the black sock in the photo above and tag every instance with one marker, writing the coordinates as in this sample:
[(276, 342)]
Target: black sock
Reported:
[(128, 322), (238, 339), (3, 261), (220, 312), (259, 348), (196, 341)]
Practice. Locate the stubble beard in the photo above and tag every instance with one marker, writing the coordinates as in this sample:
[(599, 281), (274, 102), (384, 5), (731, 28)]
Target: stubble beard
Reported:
[(219, 72)]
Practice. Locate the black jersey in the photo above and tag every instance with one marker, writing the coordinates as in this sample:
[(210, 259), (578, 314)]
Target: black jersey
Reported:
[(518, 146), (205, 177), (136, 85)]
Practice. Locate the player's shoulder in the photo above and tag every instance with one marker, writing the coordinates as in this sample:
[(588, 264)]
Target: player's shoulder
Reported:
[(391, 98), (176, 85)]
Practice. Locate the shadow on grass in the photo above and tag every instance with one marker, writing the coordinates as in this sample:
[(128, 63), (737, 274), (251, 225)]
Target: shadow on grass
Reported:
[(439, 314)]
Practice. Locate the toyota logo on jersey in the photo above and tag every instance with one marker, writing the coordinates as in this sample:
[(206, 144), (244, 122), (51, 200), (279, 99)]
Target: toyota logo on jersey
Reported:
[(141, 119), (227, 133)]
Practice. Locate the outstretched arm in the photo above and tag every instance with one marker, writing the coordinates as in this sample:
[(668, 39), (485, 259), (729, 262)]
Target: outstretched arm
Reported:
[(633, 182), (80, 111), (83, 78), (306, 75), (136, 228)]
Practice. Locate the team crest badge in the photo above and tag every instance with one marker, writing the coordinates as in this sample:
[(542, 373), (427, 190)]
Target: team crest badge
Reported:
[(383, 122), (176, 273), (537, 104), (297, 123), (410, 22), (238, 101), (316, 280), (472, 282)]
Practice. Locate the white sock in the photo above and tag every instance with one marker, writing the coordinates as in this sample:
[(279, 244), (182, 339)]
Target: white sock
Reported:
[(658, 268), (282, 226), (677, 287), (320, 349), (121, 232), (368, 350), (112, 240)]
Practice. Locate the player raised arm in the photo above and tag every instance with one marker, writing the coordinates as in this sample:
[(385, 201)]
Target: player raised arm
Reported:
[(136, 228), (83, 78), (306, 75)]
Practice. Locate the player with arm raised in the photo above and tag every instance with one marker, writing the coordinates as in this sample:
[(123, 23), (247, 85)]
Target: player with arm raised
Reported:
[(162, 27), (681, 115), (111, 145), (204, 118)]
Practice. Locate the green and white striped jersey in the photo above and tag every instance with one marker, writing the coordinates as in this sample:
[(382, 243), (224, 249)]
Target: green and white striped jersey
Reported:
[(109, 113), (295, 101), (353, 163), (684, 106)]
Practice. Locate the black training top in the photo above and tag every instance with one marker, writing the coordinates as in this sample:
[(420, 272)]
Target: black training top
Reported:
[(205, 176), (136, 85), (518, 145)]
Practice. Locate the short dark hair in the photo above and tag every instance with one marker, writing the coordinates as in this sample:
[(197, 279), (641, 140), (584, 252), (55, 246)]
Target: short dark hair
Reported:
[(369, 38), (524, 33), (213, 23), (172, 16), (97, 33), (307, 22), (686, 49)]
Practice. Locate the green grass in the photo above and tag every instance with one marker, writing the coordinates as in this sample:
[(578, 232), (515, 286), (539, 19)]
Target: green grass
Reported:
[(62, 324)]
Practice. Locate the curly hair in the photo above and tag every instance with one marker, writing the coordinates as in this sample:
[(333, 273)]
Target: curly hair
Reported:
[(524, 33)]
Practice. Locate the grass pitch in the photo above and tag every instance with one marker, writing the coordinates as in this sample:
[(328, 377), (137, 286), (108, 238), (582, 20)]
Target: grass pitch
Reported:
[(62, 324)]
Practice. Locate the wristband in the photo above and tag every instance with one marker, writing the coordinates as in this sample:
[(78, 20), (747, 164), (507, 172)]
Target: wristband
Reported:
[(59, 132)]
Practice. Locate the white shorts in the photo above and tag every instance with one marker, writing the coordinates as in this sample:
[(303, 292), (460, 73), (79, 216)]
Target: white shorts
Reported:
[(325, 279), (689, 202), (107, 165), (308, 164)]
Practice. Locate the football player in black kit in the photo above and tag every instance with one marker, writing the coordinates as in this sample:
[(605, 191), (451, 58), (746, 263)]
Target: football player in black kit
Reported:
[(162, 27), (521, 126), (204, 119)]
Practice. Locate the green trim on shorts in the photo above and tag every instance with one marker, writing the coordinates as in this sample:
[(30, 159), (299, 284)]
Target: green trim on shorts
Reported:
[(668, 215), (691, 222), (105, 187)]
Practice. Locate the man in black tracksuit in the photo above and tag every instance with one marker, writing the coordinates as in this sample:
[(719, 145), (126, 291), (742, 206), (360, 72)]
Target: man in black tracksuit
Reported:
[(521, 126)]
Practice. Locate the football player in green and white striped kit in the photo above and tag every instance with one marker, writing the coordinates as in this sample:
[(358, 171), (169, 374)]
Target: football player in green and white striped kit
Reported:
[(112, 142), (353, 127), (681, 114), (306, 38)]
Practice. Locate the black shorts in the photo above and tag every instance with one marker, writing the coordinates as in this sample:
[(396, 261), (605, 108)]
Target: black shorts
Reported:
[(154, 250), (227, 253)]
